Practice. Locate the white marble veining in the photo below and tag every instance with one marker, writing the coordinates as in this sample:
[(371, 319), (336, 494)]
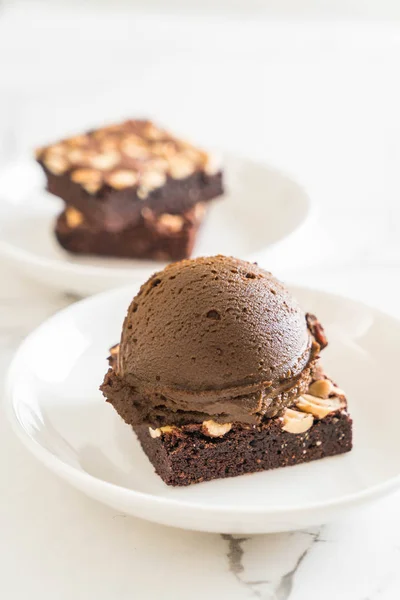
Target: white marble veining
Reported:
[(322, 102)]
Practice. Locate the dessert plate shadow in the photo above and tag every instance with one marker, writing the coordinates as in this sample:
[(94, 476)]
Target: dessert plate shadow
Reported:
[(56, 409), (263, 210)]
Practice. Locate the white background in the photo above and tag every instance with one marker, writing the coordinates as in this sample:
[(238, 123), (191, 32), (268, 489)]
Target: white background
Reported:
[(321, 99), (287, 9)]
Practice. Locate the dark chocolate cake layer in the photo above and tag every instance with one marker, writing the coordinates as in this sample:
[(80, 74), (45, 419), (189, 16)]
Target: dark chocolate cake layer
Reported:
[(182, 457), (163, 237)]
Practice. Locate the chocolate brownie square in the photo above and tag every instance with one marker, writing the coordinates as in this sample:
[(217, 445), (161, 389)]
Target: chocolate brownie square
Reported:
[(196, 453), (110, 175)]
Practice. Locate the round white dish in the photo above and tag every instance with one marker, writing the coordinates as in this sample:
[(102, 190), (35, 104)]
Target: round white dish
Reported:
[(263, 210), (55, 407)]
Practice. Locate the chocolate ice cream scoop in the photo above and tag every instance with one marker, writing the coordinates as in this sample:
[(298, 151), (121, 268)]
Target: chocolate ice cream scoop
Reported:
[(217, 373), (213, 336)]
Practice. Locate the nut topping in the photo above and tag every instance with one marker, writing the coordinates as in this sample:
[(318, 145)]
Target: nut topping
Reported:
[(212, 164), (134, 152), (142, 193), (113, 359), (180, 167), (114, 351), (156, 164), (122, 179), (321, 388), (319, 407), (172, 223), (199, 211), (78, 140), (55, 163), (194, 154), (152, 132), (296, 422), (168, 429), (108, 143), (147, 214), (213, 429), (152, 179), (317, 331), (57, 149), (89, 179), (155, 433), (164, 149), (74, 218), (134, 147), (78, 156), (105, 161), (104, 132)]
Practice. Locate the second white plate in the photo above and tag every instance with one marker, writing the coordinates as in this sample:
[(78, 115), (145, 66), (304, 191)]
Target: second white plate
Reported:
[(263, 209)]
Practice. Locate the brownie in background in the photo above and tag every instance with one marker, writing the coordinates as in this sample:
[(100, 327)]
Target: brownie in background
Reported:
[(163, 237), (130, 190)]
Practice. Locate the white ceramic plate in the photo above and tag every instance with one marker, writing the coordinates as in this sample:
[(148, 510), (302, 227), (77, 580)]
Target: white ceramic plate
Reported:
[(56, 408), (262, 209)]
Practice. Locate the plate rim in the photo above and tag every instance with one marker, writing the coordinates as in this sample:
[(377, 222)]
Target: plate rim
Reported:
[(58, 466), (25, 258)]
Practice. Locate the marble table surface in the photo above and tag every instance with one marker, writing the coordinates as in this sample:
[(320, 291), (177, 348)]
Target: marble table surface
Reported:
[(320, 101)]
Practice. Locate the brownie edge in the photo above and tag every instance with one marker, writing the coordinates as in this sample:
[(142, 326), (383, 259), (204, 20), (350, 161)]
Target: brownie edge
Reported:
[(162, 237)]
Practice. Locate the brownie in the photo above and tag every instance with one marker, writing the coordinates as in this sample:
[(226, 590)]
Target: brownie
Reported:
[(184, 456), (313, 428), (218, 372), (115, 209), (112, 174), (157, 237)]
